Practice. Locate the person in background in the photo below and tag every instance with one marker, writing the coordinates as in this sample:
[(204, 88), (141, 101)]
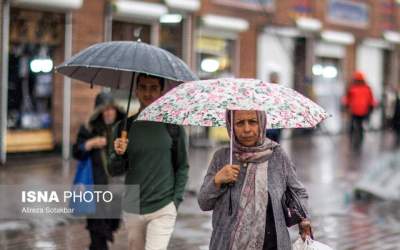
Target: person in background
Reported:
[(154, 157), (94, 140), (274, 134), (359, 101)]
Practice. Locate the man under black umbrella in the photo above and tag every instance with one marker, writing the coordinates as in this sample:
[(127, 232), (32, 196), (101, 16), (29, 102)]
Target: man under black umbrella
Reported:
[(155, 158)]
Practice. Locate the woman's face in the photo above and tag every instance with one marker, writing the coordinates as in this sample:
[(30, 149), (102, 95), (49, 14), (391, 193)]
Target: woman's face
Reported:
[(246, 127), (109, 115)]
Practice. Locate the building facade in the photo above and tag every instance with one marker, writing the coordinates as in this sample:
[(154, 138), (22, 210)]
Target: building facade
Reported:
[(316, 45)]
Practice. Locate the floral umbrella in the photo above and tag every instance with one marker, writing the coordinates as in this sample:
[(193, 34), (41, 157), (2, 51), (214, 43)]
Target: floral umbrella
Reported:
[(204, 103)]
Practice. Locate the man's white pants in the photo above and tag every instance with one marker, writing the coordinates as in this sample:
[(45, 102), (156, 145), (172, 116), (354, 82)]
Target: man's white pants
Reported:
[(150, 231)]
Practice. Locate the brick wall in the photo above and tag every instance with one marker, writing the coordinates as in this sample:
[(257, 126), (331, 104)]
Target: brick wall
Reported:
[(88, 25), (248, 53), (285, 15)]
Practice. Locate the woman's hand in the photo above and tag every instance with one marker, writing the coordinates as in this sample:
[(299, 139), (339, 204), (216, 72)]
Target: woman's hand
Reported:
[(227, 174), (305, 230), (95, 142)]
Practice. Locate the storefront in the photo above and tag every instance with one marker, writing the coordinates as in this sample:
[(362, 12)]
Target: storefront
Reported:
[(329, 76), (168, 26), (335, 56), (217, 46), (4, 31), (309, 61), (36, 35), (391, 76), (275, 54), (288, 53), (371, 57), (217, 52)]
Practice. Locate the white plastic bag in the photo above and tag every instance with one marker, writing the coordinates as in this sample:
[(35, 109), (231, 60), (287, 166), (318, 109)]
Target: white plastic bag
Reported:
[(309, 244)]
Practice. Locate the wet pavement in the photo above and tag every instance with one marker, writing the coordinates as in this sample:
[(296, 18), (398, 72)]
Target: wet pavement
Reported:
[(325, 164)]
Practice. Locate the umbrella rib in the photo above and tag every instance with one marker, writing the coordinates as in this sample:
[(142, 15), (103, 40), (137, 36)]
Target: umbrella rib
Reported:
[(95, 75), (119, 79), (74, 71)]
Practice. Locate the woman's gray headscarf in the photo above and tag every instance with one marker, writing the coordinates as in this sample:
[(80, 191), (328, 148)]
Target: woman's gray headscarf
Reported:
[(249, 230), (255, 153)]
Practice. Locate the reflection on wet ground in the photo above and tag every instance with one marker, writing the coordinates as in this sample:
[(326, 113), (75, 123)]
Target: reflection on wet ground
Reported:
[(325, 164)]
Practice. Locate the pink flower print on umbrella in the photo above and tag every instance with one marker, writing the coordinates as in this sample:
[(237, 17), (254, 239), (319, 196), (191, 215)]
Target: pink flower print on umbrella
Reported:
[(204, 104)]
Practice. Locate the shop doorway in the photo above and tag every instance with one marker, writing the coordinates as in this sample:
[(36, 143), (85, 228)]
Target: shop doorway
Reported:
[(329, 87), (36, 44), (171, 37), (215, 58)]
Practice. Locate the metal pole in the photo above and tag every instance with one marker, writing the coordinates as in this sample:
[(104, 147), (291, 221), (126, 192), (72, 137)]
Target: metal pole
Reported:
[(310, 55), (4, 80), (108, 29), (187, 40), (155, 34), (108, 22), (66, 138)]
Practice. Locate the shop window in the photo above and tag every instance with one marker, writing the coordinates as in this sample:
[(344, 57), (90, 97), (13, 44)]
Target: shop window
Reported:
[(34, 39), (215, 57), (171, 38), (123, 31), (328, 87)]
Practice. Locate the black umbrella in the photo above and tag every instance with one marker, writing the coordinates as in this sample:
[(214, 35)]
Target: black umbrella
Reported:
[(117, 65)]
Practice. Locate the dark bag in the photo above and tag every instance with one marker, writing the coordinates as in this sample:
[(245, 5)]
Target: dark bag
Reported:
[(173, 131), (292, 208)]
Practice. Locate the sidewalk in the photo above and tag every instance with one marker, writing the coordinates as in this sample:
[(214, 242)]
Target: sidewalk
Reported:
[(325, 165)]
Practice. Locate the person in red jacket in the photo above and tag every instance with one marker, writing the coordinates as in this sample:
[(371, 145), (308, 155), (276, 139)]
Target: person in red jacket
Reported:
[(359, 101)]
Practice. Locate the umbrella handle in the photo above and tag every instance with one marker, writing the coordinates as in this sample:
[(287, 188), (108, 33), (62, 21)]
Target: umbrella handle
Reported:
[(124, 134), (231, 140)]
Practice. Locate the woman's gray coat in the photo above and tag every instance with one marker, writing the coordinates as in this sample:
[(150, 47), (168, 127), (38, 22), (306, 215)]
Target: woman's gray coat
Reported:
[(281, 172)]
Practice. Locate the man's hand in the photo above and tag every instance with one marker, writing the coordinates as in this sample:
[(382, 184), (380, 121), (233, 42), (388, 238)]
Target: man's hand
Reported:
[(120, 146)]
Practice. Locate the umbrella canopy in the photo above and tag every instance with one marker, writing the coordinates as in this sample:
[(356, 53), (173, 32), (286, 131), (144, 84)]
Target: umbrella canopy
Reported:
[(117, 65), (204, 103), (112, 64)]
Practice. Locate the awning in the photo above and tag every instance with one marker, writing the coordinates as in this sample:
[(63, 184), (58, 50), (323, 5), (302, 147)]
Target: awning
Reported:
[(186, 5), (308, 24), (132, 10), (284, 31), (392, 36), (59, 5), (377, 43), (232, 24), (332, 36)]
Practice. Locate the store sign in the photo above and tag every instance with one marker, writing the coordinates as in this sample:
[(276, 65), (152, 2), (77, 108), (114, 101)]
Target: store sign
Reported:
[(249, 4), (211, 45), (303, 7), (348, 13)]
